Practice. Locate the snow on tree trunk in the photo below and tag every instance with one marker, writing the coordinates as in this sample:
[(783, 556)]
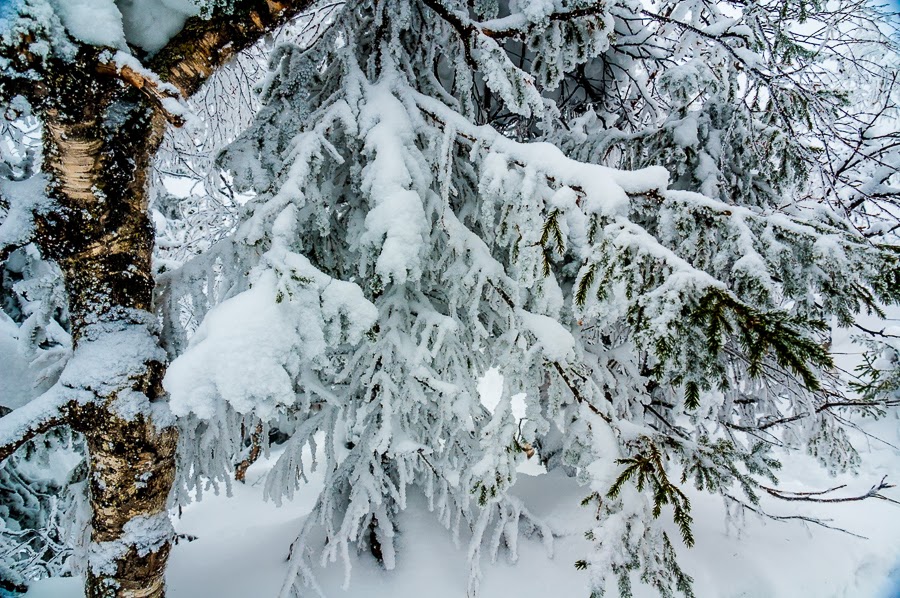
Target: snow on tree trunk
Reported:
[(98, 144), (103, 115)]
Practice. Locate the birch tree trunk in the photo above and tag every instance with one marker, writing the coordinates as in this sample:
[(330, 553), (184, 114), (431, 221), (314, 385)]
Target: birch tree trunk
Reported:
[(102, 124), (99, 140)]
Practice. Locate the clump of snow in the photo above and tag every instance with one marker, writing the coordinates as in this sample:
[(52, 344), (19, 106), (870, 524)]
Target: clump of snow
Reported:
[(144, 533), (95, 22), (685, 134), (147, 24), (244, 353), (150, 24), (557, 343), (250, 349)]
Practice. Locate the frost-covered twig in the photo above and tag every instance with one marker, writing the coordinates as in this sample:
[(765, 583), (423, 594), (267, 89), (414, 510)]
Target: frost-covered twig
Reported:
[(785, 518), (873, 492)]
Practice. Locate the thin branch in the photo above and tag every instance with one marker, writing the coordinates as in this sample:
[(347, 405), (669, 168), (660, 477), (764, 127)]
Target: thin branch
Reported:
[(874, 492), (823, 407), (803, 518)]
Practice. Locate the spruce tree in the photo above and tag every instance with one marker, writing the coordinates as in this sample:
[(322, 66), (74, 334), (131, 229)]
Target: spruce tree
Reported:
[(647, 217), (636, 215)]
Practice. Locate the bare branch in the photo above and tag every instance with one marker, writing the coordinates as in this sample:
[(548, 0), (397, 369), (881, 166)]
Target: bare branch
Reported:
[(826, 523), (874, 492)]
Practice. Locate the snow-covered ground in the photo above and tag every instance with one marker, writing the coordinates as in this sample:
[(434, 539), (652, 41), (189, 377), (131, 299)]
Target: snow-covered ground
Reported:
[(242, 542)]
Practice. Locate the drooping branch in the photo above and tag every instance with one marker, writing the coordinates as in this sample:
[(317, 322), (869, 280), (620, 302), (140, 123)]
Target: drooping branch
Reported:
[(35, 417), (826, 523), (827, 406)]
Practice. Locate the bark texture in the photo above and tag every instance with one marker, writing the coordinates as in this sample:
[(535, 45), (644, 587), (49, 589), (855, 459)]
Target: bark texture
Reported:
[(132, 468), (102, 127), (99, 139)]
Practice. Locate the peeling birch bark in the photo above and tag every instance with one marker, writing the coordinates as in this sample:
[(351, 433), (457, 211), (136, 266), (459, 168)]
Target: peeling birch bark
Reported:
[(101, 130), (99, 140)]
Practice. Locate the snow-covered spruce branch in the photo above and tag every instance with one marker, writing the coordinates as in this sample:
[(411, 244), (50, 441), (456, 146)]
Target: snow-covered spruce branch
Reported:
[(511, 26)]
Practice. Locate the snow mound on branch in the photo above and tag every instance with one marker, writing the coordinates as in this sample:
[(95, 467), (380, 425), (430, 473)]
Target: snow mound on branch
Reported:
[(150, 24), (556, 342), (95, 22), (241, 353), (147, 24), (251, 348)]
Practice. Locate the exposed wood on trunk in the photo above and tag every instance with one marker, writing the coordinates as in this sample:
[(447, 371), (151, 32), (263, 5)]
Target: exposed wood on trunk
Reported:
[(102, 236), (99, 140), (152, 89), (132, 469), (240, 470), (102, 126)]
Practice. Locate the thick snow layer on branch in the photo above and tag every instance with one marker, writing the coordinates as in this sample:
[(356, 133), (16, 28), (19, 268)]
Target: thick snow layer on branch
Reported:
[(556, 342), (251, 348), (391, 179), (243, 353), (150, 24), (109, 355), (96, 22), (605, 189), (147, 24), (105, 361), (32, 416)]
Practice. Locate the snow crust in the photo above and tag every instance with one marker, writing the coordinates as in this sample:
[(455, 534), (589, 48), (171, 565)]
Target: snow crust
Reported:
[(146, 533)]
